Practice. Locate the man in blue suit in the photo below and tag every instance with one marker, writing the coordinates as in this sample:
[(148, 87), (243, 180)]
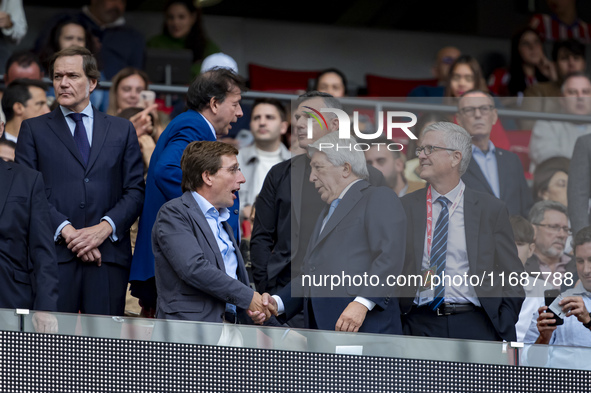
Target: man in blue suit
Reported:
[(213, 100), (92, 168)]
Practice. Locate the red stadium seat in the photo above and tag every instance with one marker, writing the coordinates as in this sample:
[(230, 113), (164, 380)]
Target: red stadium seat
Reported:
[(277, 80), (381, 86)]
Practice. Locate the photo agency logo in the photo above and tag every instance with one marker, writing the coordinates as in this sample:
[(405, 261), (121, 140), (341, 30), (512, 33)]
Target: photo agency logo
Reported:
[(392, 123)]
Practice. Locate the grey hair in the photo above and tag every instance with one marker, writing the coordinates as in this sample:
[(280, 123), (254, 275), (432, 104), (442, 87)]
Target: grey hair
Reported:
[(456, 138), (536, 214), (341, 152)]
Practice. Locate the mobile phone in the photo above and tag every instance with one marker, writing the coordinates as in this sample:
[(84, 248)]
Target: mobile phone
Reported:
[(147, 98), (552, 297)]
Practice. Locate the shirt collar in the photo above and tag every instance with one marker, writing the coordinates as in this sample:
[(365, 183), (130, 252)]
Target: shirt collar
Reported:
[(87, 111), (347, 188), (208, 209), (578, 290), (451, 196), (210, 126), (491, 148)]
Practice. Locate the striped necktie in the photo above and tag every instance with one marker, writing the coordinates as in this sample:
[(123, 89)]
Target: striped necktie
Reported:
[(439, 250)]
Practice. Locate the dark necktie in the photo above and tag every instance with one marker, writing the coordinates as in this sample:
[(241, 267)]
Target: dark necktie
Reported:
[(439, 250), (80, 136)]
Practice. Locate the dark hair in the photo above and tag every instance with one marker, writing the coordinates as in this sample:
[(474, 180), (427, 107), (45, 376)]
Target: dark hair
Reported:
[(582, 237), (23, 59), (18, 91), (328, 71), (571, 45), (116, 80), (523, 230), (516, 74), (52, 41), (200, 157), (544, 173), (89, 64), (215, 83), (328, 99), (272, 101), (479, 83), (196, 40)]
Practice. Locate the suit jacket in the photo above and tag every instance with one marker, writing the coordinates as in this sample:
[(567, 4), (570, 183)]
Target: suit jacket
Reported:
[(490, 248), (277, 222), (111, 184), (514, 190), (579, 185), (27, 254), (364, 235), (164, 183), (191, 279)]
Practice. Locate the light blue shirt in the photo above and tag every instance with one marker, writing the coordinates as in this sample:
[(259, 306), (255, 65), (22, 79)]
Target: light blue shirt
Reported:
[(88, 121), (488, 165), (210, 127), (225, 245)]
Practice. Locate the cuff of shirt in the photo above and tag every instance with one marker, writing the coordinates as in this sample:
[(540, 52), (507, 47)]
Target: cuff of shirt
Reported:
[(58, 231), (113, 236), (366, 302), (280, 306)]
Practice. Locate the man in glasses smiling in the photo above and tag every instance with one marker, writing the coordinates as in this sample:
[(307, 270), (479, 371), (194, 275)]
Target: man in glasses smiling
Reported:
[(492, 170)]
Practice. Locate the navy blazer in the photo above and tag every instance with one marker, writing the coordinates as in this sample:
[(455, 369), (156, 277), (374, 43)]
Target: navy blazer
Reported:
[(365, 234), (164, 184), (490, 248), (111, 184), (28, 265), (191, 279), (513, 187)]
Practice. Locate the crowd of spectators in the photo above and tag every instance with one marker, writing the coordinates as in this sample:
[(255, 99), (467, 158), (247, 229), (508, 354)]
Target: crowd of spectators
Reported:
[(109, 159)]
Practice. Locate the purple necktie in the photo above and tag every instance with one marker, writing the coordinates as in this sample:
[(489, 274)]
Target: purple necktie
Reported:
[(80, 136)]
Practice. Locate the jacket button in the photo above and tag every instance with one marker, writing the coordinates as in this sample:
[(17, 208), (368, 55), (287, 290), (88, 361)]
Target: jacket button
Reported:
[(82, 205), (86, 180)]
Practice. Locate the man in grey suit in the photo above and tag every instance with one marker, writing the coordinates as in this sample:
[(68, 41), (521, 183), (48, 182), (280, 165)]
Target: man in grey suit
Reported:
[(579, 184), (492, 170), (200, 274)]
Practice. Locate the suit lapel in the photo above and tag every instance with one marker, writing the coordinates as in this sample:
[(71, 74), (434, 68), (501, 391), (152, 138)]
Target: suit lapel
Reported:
[(100, 129), (345, 206), (474, 169), (298, 170), (419, 217), (502, 169), (241, 269), (471, 226), (57, 123), (6, 176), (199, 218)]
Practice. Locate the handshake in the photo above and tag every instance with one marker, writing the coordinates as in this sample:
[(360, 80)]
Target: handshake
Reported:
[(261, 308)]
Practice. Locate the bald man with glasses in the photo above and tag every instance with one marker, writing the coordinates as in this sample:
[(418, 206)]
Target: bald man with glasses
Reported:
[(492, 170)]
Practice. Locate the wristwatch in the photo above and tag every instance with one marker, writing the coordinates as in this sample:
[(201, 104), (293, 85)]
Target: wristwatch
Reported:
[(588, 324)]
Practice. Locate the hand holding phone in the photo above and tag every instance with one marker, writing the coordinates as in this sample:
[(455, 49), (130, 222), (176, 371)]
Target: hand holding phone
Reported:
[(552, 297), (147, 98)]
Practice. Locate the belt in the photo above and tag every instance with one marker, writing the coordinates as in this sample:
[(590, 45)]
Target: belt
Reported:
[(455, 308), (230, 317)]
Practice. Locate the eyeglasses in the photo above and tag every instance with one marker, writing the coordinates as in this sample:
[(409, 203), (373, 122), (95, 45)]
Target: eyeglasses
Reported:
[(556, 228), (232, 169), (471, 110), (428, 149)]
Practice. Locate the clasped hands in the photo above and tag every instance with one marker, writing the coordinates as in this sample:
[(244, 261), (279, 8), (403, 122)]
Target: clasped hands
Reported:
[(84, 242), (571, 305), (261, 308)]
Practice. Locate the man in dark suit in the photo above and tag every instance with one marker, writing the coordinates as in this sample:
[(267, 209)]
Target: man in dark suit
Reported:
[(281, 232), (360, 234), (213, 100), (27, 255), (492, 170), (454, 231), (93, 173), (200, 274)]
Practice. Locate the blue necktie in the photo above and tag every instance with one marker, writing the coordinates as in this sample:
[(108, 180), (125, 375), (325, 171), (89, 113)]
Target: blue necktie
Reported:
[(80, 136), (333, 206), (439, 250)]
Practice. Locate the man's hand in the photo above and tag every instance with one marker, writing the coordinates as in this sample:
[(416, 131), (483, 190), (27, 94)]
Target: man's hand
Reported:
[(93, 255), (5, 20), (44, 322), (86, 239), (574, 305), (142, 122), (68, 233), (270, 305), (544, 320), (352, 318)]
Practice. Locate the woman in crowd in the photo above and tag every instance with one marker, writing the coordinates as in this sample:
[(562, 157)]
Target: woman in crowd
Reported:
[(528, 65), (551, 180), (183, 29), (331, 81)]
